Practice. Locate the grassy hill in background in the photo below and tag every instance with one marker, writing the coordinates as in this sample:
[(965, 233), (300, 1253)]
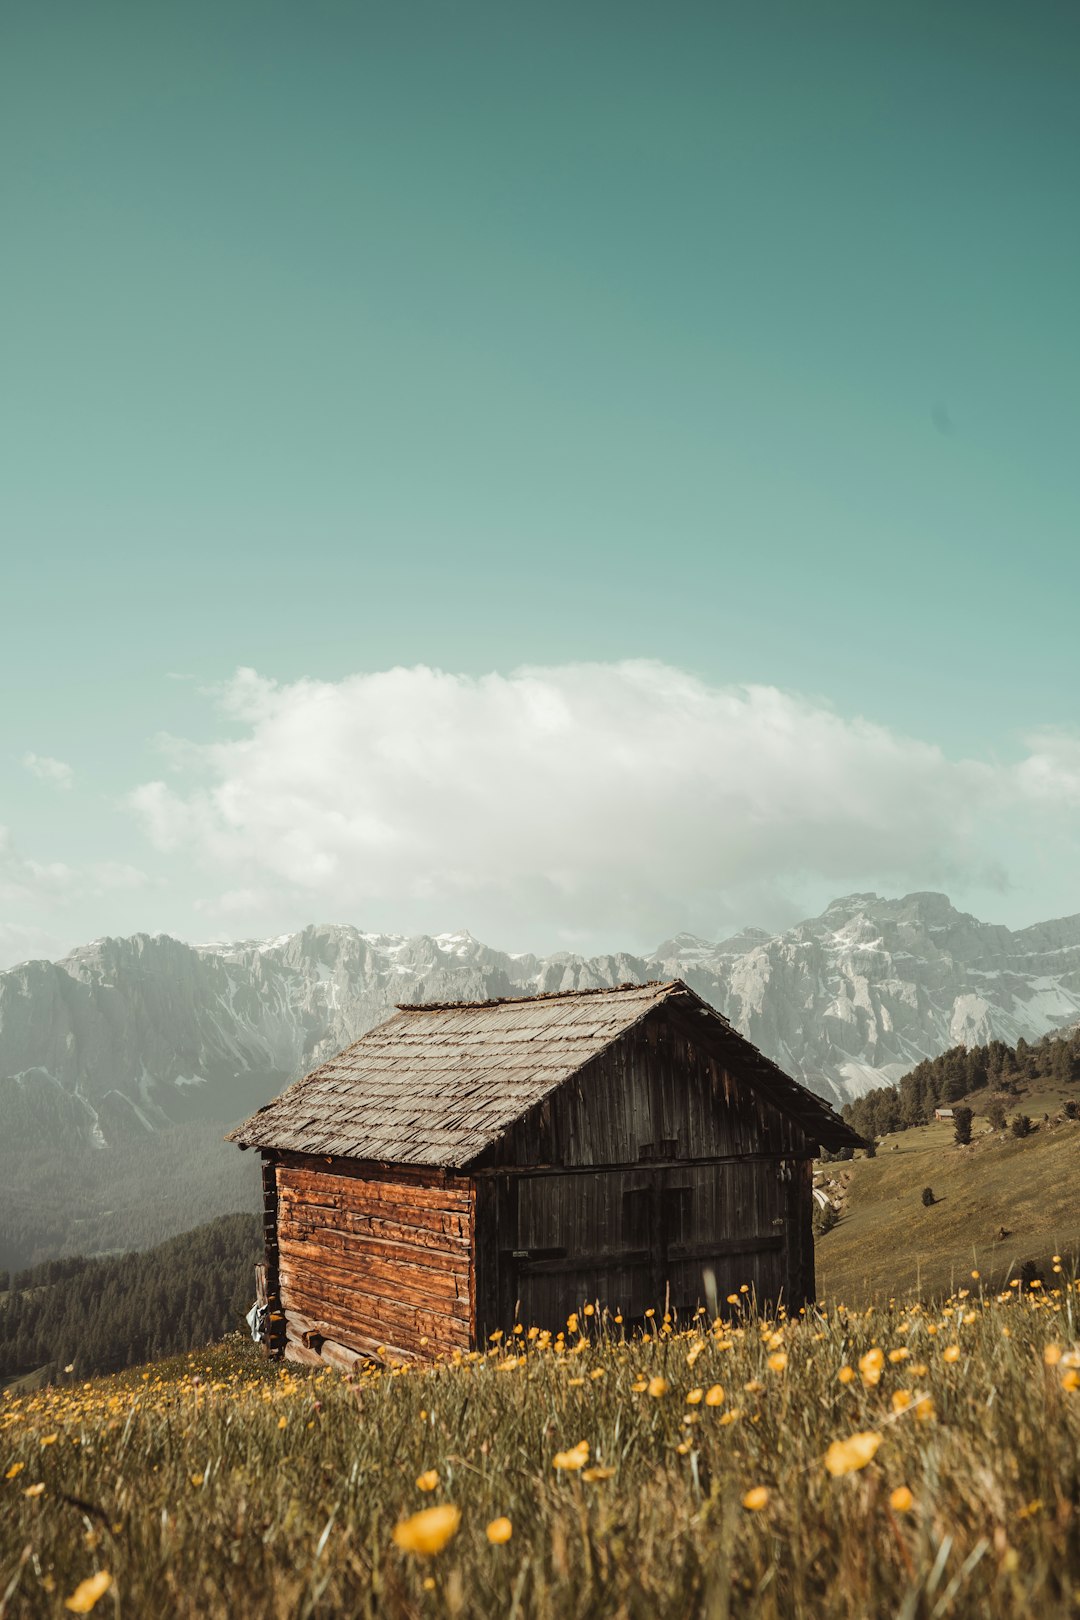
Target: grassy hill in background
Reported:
[(887, 1244)]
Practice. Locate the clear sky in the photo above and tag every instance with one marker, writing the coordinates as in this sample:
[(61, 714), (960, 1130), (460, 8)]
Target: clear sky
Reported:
[(738, 341)]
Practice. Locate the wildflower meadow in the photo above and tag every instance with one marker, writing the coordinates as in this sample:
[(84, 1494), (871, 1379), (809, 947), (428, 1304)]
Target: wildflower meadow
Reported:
[(905, 1460)]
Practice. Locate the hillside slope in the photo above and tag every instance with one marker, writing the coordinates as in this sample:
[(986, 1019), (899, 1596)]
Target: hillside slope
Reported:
[(94, 1316), (888, 1245), (779, 1468)]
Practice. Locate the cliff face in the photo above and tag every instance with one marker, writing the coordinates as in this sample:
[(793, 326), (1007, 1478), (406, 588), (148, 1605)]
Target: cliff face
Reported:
[(129, 1034)]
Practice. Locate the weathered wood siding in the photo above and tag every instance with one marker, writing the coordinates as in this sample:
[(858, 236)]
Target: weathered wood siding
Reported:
[(376, 1258), (658, 1093), (650, 1169)]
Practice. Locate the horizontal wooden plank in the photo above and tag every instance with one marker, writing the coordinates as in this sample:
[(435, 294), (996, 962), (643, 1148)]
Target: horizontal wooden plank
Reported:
[(370, 1196), (431, 1288), (385, 1219), (376, 1189), (301, 1354), (515, 1172), (318, 1286), (417, 1175), (389, 1320), (346, 1246), (320, 1224), (366, 1336)]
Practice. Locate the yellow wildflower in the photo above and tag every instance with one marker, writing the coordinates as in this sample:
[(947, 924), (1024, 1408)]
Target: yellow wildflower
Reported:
[(1070, 1380), (16, 1468), (870, 1366), (846, 1374), (695, 1397), (756, 1498), (901, 1400), (901, 1500), (49, 1439), (428, 1531), (658, 1387), (901, 1354), (1052, 1354), (428, 1480), (778, 1361), (87, 1592), (499, 1530), (951, 1352), (196, 1480), (847, 1456), (34, 1490), (571, 1460), (714, 1396), (597, 1473)]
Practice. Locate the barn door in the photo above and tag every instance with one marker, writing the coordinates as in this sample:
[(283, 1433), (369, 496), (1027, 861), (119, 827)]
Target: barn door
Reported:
[(642, 1237)]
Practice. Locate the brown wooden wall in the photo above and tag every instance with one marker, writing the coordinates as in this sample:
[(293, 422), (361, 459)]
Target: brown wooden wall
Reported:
[(376, 1258)]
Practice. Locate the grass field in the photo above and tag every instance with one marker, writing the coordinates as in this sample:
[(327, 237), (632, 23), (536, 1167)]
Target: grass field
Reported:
[(887, 1245), (915, 1462)]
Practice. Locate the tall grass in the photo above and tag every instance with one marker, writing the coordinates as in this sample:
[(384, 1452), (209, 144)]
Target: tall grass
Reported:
[(221, 1486)]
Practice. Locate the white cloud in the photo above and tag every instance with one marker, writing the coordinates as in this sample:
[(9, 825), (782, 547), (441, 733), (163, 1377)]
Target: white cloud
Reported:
[(34, 892), (1051, 772), (53, 771), (588, 801)]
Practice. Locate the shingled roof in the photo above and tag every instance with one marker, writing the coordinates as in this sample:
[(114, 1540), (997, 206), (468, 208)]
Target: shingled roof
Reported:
[(436, 1084)]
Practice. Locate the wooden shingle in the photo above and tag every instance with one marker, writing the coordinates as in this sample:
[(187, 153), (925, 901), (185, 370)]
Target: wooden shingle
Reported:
[(436, 1085)]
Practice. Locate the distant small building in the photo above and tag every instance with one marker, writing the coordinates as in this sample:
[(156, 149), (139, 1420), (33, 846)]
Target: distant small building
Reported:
[(467, 1166), (943, 1113)]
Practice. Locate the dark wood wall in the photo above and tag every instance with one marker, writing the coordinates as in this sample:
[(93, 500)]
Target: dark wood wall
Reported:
[(375, 1259), (654, 1177), (658, 1093)]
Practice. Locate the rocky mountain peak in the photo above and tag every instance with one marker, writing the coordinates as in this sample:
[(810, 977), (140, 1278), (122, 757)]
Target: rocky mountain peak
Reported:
[(843, 1001)]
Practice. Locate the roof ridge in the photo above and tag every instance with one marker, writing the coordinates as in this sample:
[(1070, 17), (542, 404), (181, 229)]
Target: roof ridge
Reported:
[(540, 995)]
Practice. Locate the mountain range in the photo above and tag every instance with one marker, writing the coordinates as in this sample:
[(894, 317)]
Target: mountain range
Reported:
[(124, 1037)]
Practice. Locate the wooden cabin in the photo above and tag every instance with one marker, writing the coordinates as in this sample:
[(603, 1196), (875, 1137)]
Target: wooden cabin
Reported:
[(467, 1166)]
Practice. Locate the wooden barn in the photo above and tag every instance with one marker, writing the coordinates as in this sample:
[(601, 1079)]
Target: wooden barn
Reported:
[(466, 1166)]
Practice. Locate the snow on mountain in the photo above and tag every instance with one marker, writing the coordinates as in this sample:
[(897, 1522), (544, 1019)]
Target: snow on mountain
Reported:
[(127, 1034)]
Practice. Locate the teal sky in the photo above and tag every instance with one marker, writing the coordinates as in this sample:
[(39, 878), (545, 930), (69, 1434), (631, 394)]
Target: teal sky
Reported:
[(347, 336)]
